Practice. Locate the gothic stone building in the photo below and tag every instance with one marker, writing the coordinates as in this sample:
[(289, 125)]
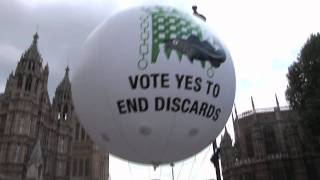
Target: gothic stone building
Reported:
[(40, 140), (269, 145)]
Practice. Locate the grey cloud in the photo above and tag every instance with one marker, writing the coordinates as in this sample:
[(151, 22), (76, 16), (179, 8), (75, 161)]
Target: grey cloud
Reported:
[(9, 52), (62, 30)]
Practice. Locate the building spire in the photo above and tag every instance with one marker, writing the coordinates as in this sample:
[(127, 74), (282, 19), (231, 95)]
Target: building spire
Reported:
[(226, 139), (35, 38), (252, 103), (67, 71), (278, 106), (225, 130), (235, 129), (32, 52), (234, 125), (65, 84), (235, 110)]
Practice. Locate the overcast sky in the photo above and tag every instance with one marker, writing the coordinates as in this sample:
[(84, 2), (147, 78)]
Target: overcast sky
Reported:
[(263, 37)]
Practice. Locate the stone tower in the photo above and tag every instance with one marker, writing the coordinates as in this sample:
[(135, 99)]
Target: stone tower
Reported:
[(62, 113), (40, 140), (269, 145), (25, 102)]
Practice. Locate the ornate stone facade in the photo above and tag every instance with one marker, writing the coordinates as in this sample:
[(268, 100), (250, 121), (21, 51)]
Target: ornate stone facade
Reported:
[(40, 140), (269, 145)]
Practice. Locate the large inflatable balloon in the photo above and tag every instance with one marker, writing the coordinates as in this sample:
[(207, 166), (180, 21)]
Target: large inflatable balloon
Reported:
[(155, 85)]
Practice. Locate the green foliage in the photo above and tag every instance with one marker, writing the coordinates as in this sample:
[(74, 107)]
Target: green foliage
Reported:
[(303, 91)]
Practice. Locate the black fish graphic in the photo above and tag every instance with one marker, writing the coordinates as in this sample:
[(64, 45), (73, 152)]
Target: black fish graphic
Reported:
[(197, 50)]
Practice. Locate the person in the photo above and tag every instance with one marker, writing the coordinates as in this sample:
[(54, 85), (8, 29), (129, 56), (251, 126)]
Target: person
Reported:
[(195, 12)]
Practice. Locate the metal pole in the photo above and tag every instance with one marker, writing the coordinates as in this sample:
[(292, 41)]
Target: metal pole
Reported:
[(215, 159), (172, 172)]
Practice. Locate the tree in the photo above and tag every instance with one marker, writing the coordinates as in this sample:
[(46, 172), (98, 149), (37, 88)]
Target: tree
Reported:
[(303, 90)]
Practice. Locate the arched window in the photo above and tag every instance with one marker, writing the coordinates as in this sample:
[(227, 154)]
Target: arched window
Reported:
[(28, 83), (29, 65), (7, 152), (83, 134), (17, 154), (249, 144), (45, 137), (270, 139), (77, 132), (39, 171), (19, 123), (87, 167), (3, 124), (20, 80), (65, 112), (36, 86)]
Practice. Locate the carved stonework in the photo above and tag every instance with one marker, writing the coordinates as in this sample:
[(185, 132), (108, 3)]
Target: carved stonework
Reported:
[(40, 140), (268, 145), (35, 163)]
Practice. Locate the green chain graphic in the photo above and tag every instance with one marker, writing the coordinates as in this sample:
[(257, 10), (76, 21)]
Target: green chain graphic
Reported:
[(168, 23)]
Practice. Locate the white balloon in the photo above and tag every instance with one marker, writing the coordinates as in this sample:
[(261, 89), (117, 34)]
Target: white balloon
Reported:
[(155, 85)]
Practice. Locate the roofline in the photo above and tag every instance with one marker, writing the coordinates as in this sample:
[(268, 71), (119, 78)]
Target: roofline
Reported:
[(262, 110)]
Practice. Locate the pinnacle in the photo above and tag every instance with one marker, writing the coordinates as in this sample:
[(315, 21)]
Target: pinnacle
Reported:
[(67, 70), (35, 38)]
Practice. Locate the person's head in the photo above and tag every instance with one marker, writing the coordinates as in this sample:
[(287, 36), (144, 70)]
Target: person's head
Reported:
[(194, 7)]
